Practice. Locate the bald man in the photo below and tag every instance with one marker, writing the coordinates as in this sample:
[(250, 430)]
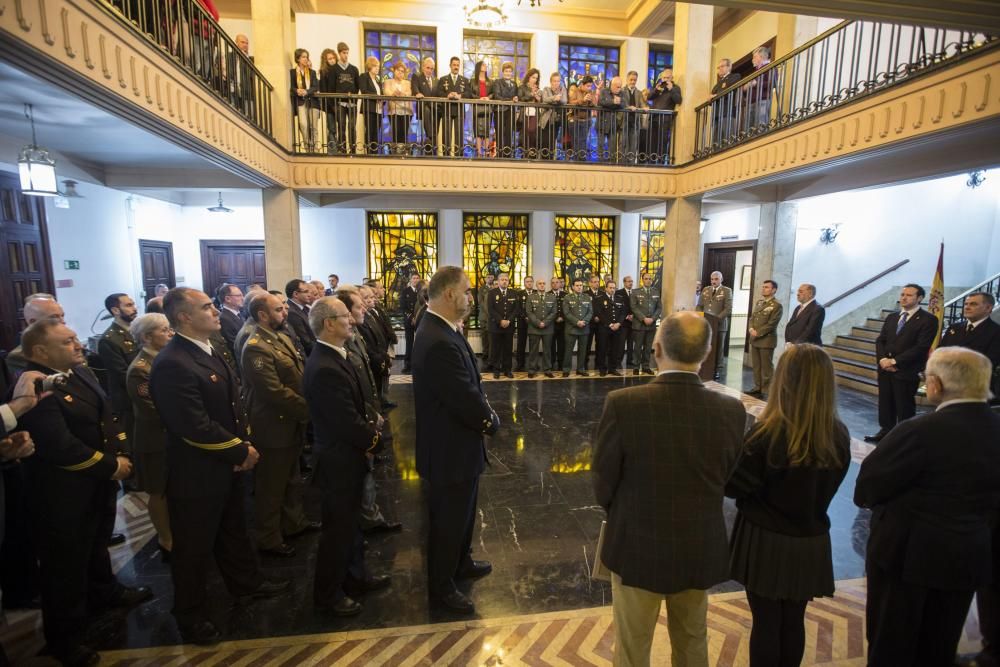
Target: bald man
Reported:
[(612, 104), (39, 308)]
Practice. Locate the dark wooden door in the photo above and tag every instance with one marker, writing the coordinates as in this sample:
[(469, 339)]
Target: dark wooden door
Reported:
[(237, 262), (25, 264), (157, 259)]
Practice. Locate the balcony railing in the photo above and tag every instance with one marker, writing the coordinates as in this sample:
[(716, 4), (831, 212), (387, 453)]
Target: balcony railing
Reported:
[(849, 61), (953, 308), (190, 35), (396, 126)]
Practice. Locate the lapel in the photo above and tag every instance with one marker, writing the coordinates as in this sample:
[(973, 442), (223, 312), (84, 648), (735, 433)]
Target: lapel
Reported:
[(96, 394), (213, 362)]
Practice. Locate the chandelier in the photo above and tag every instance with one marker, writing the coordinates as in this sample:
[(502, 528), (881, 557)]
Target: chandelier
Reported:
[(36, 169), (533, 3), (485, 13)]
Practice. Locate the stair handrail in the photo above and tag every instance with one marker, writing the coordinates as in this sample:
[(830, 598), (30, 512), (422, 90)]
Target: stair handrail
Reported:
[(953, 307), (864, 284)]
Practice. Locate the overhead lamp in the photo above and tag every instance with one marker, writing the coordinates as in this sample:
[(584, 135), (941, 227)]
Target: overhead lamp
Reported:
[(485, 13), (36, 168), (220, 208)]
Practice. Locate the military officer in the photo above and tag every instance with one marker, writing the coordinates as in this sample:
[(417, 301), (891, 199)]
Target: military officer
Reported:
[(272, 382), (717, 300), (117, 349), (484, 319), (522, 321), (502, 311), (594, 291), (764, 337), (609, 310), (579, 311), (626, 330), (381, 319), (557, 345), (646, 309), (377, 345), (408, 300), (540, 311)]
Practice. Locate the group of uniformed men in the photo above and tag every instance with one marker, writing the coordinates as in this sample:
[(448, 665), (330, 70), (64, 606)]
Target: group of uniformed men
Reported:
[(549, 325)]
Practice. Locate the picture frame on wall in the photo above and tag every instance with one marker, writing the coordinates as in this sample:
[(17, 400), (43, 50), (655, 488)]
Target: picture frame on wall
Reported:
[(746, 275)]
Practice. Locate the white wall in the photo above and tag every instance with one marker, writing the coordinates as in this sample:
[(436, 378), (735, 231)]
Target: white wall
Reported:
[(333, 241), (741, 223), (235, 27)]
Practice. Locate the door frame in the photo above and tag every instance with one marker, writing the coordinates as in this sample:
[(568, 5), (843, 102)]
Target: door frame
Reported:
[(169, 247), (206, 244), (746, 244)]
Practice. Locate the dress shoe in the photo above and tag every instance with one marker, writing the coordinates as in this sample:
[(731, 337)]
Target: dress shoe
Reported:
[(496, 376), (76, 655), (636, 371), (202, 633), (618, 373), (384, 527), (345, 606), (603, 374), (307, 527), (456, 601), (509, 375), (565, 374), (583, 374), (116, 539), (648, 371), (550, 374), (474, 569), (877, 436), (130, 597), (531, 374), (372, 583), (164, 554), (271, 588), (283, 550)]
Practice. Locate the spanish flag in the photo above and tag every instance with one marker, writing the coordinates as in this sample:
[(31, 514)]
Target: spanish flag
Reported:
[(935, 304)]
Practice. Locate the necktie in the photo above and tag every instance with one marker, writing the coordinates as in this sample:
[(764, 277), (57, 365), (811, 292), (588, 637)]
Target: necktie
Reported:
[(969, 328), (902, 322)]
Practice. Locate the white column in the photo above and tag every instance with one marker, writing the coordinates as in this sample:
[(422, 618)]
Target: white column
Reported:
[(545, 52), (681, 245), (776, 255), (636, 53), (449, 237), (282, 237), (628, 246), (542, 237)]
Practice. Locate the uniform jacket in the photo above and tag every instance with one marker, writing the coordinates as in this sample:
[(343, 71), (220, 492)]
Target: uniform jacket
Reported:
[(376, 346), (298, 321), (453, 414), (985, 338), (664, 452), (117, 349), (149, 434), (541, 307), (717, 302), (198, 398), (484, 306), (725, 83), (408, 299), (627, 295), (609, 310), (932, 500), (559, 296), (383, 321), (522, 302), (764, 320), (806, 324), (578, 308), (645, 302), (911, 346), (460, 86), (272, 390), (357, 354), (502, 307)]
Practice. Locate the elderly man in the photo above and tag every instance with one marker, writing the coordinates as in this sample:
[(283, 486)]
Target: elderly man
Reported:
[(36, 307), (231, 316), (660, 475), (609, 124), (806, 322), (717, 301), (933, 485)]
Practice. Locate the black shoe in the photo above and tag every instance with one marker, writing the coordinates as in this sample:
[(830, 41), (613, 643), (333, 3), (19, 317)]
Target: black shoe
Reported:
[(474, 570), (270, 589), (876, 437), (616, 372), (583, 374), (508, 374), (345, 606), (755, 392), (531, 374), (116, 539), (389, 404), (636, 371), (283, 550), (130, 597), (164, 554), (202, 633), (603, 373), (308, 527), (384, 527), (76, 655), (565, 374), (648, 371), (373, 583), (456, 601), (550, 374), (496, 376)]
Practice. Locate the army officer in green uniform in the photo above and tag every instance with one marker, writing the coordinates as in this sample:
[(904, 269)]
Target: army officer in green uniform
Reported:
[(764, 337), (646, 309), (540, 311), (579, 310)]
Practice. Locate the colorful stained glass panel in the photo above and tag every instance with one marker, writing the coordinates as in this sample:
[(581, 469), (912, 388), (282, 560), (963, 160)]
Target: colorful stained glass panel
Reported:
[(651, 248), (584, 245), (399, 245), (494, 243)]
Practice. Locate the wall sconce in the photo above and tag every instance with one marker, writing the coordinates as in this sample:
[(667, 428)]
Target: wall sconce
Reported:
[(827, 235), (976, 178), (36, 168)]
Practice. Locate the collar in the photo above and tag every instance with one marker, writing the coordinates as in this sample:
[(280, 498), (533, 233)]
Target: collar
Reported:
[(205, 347), (911, 312), (802, 306), (340, 350), (958, 401), (671, 372), (451, 324), (976, 324), (231, 310)]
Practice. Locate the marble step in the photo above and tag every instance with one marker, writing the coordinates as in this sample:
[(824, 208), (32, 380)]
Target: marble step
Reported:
[(866, 333), (850, 353), (874, 323), (859, 368), (857, 343), (858, 382)]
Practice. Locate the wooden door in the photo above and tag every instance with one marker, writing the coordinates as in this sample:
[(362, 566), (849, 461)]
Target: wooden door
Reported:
[(157, 259), (237, 262), (722, 257), (25, 263)]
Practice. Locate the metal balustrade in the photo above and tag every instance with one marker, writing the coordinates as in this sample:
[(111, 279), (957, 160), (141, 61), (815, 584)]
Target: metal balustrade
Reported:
[(190, 35), (845, 63), (953, 308), (397, 126)]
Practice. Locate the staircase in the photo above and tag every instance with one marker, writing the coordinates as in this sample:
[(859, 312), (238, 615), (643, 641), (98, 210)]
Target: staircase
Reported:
[(854, 355)]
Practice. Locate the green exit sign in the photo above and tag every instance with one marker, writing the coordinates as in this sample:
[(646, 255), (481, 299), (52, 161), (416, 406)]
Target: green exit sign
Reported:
[(71, 264)]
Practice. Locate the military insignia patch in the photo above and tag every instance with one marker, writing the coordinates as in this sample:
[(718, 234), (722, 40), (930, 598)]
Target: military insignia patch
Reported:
[(213, 377), (68, 398), (258, 363), (143, 389)]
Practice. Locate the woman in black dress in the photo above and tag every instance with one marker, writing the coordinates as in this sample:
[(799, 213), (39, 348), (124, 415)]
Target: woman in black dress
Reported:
[(794, 460)]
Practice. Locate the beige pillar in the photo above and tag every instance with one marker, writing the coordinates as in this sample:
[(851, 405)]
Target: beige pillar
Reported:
[(272, 49), (693, 71), (681, 253), (282, 239), (793, 32), (776, 256)]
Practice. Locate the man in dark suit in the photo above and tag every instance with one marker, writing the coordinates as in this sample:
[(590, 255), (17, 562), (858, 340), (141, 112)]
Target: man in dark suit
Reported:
[(117, 349), (230, 298), (933, 485), (424, 85), (806, 323), (377, 309), (625, 292), (610, 311), (346, 434), (660, 476), (453, 415), (724, 109), (503, 310), (521, 322), (901, 349), (197, 395), (71, 491), (299, 296), (977, 332), (408, 299), (453, 86)]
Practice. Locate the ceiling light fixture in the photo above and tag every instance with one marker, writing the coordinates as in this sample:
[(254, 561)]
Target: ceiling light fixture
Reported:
[(220, 208), (534, 3), (486, 14), (36, 168)]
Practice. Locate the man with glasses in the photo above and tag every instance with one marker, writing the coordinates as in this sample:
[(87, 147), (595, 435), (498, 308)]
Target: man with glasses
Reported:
[(299, 295)]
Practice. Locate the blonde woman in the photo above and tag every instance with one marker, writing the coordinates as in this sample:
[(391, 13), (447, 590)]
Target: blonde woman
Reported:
[(794, 460), (370, 84), (400, 112)]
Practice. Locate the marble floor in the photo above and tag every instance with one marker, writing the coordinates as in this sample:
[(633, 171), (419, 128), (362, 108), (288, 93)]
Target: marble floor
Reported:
[(538, 524)]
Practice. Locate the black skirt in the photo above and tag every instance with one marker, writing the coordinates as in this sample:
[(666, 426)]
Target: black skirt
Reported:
[(780, 567)]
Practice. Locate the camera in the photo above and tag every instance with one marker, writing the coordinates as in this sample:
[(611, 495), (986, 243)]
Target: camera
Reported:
[(50, 382)]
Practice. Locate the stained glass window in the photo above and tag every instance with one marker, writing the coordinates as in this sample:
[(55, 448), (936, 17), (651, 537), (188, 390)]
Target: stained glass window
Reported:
[(399, 245), (584, 245), (390, 46), (494, 243), (661, 57), (651, 248), (577, 59), (496, 51)]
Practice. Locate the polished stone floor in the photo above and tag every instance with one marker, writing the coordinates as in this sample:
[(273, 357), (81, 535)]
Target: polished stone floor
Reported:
[(538, 524)]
